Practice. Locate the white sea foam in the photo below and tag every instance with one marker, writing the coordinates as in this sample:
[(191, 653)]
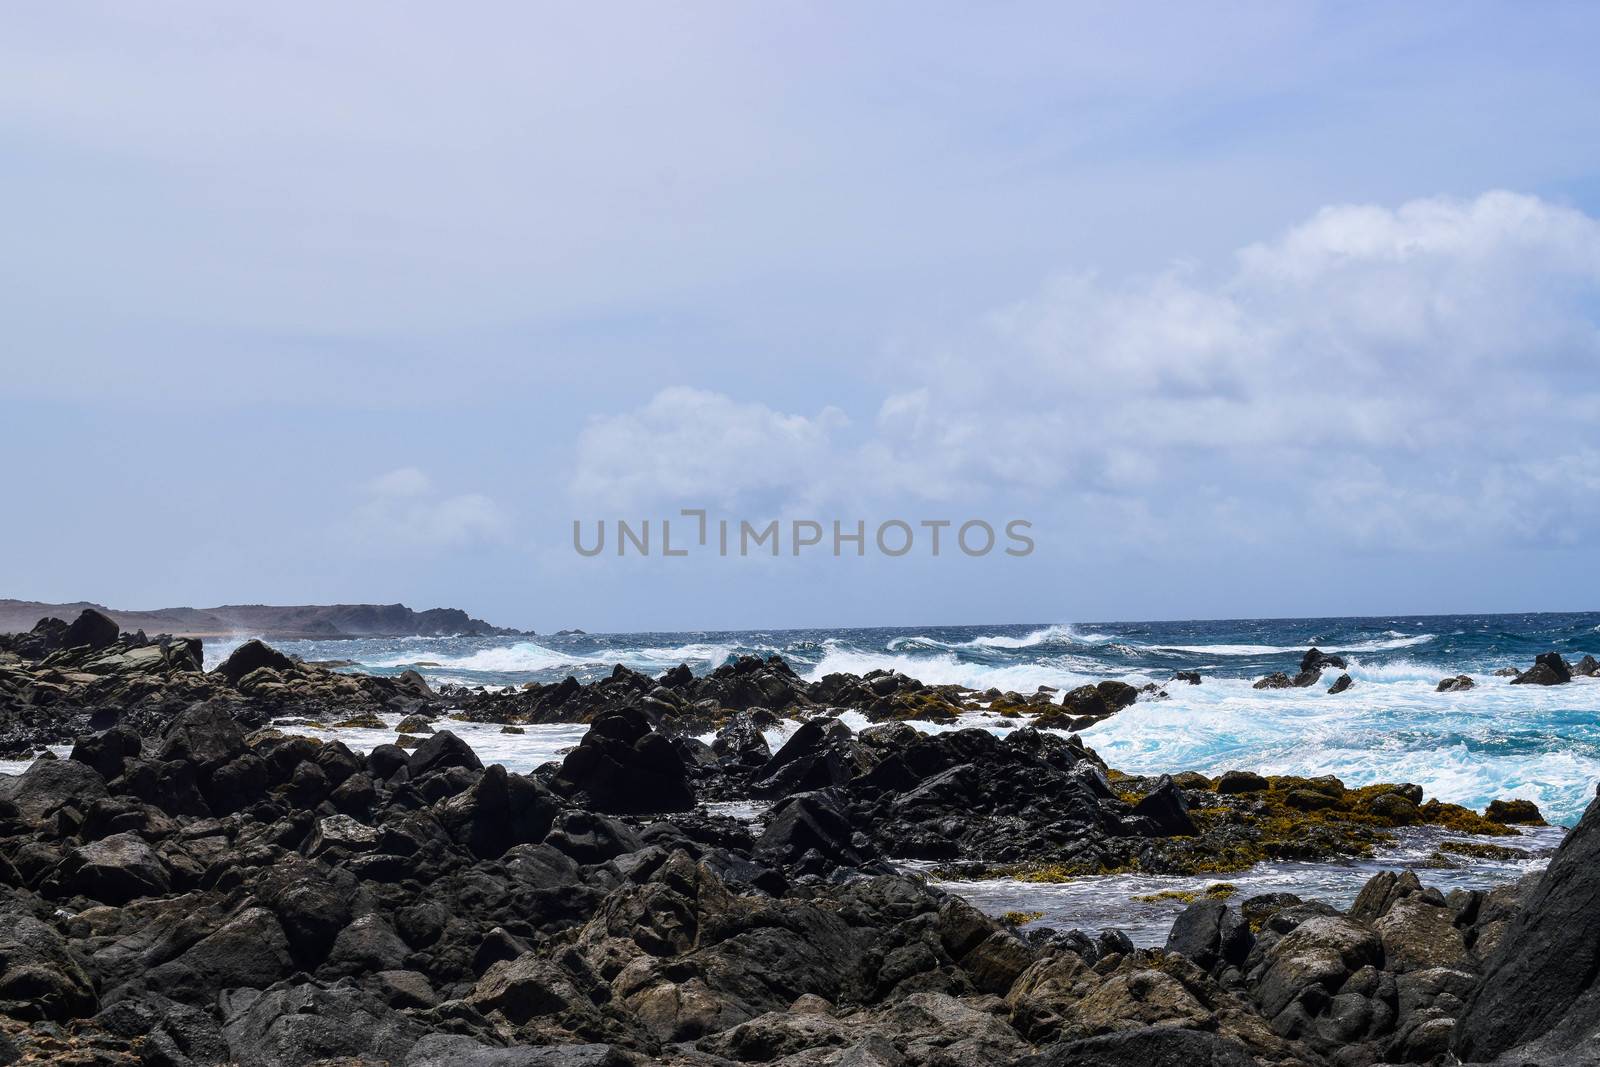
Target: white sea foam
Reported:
[(948, 669), (528, 657), (1497, 740), (1392, 640), (1063, 634)]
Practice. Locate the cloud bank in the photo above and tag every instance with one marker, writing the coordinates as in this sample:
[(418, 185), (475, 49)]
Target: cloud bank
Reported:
[(403, 512), (1407, 377)]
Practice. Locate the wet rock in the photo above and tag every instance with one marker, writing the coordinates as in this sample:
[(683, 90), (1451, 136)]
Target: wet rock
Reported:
[(1341, 683), (1548, 669), (821, 753), (1191, 677), (1455, 685), (1099, 700), (1233, 782), (1317, 660), (252, 656), (740, 740), (1167, 809), (1514, 813)]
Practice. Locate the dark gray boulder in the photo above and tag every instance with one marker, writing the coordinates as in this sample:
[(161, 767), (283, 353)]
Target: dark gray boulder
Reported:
[(1548, 669), (1315, 660), (622, 766), (441, 751), (253, 655), (39, 977), (49, 784), (116, 869), (1540, 993), (92, 628), (1167, 809), (311, 1023), (1209, 932)]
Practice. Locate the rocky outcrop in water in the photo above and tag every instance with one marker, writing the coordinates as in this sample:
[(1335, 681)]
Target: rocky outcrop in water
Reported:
[(1548, 669)]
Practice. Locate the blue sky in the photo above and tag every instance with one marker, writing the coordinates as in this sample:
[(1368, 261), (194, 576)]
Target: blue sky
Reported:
[(1256, 309)]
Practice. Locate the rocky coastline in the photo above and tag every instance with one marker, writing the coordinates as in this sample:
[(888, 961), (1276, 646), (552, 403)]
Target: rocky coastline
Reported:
[(211, 875)]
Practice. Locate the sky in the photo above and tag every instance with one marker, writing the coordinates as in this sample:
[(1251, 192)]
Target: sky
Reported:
[(1277, 309)]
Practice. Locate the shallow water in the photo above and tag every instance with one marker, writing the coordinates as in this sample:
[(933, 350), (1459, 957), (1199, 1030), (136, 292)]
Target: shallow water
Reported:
[(1094, 903), (1497, 740)]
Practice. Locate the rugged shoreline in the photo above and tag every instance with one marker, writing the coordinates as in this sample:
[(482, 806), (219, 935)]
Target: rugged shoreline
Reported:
[(195, 885)]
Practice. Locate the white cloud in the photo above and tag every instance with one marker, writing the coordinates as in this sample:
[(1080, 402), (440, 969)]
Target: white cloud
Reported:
[(1409, 375), (694, 446), (402, 511), (403, 481)]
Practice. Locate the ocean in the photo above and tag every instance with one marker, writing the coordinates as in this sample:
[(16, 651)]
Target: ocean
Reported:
[(1496, 740)]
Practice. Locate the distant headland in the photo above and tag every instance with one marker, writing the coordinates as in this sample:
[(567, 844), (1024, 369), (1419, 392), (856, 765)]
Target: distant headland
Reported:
[(302, 621)]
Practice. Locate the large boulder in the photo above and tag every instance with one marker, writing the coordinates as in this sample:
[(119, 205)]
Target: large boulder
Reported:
[(811, 822), (108, 752), (39, 977), (821, 753), (250, 656), (313, 1023), (205, 736), (624, 767), (1539, 1000), (1548, 669), (1209, 932), (1099, 700), (1315, 660), (501, 810), (92, 628), (442, 751), (116, 869), (51, 784), (1166, 809)]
